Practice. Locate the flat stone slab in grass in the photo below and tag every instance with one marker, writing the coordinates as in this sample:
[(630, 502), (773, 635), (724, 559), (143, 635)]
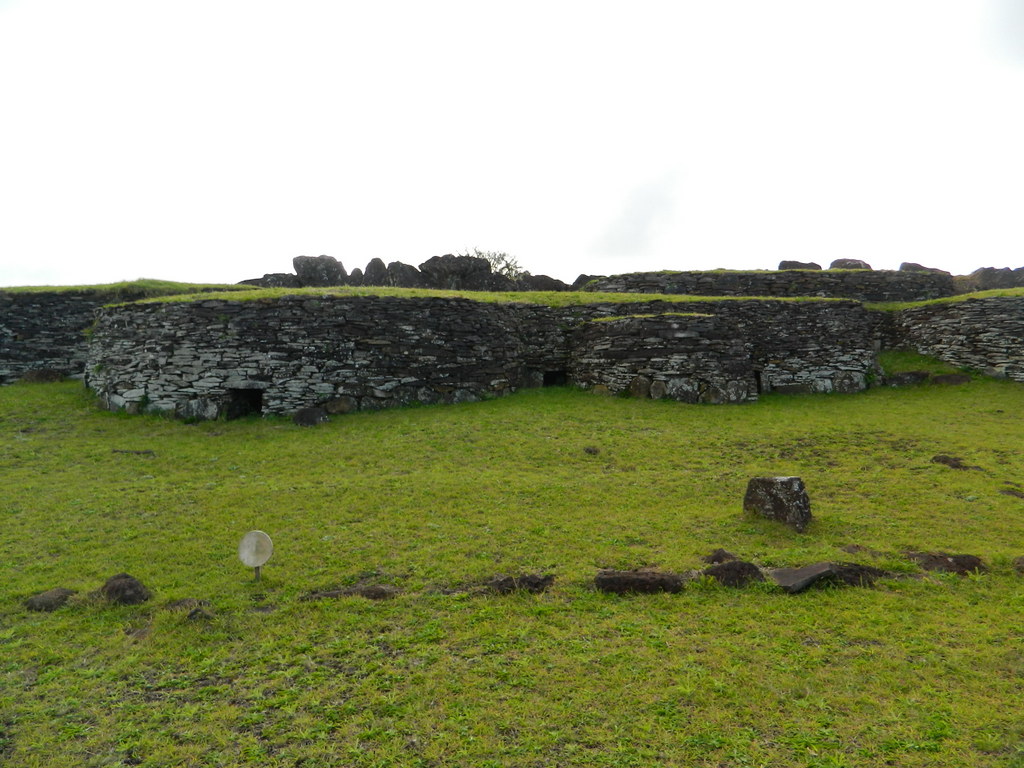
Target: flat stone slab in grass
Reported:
[(50, 600), (943, 562), (795, 580), (642, 581), (779, 498)]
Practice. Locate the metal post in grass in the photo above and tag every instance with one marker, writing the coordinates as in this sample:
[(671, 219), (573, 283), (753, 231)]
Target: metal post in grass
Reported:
[(254, 550)]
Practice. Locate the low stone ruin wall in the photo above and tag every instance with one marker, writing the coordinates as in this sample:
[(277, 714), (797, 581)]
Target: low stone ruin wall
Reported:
[(984, 334), (44, 331), (227, 358), (863, 285), (205, 359), (692, 358)]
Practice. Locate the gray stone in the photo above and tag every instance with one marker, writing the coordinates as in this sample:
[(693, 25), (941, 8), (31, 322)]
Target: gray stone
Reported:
[(798, 265), (795, 580), (50, 600), (909, 266), (319, 270), (376, 273), (124, 590), (403, 275), (641, 581), (783, 499), (469, 273), (734, 573), (849, 264)]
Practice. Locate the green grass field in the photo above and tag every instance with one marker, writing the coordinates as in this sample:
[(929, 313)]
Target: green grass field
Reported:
[(917, 671)]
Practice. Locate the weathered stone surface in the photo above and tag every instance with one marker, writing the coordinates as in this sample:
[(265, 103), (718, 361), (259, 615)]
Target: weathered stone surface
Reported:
[(404, 275), (582, 280), (863, 285), (50, 600), (909, 266), (310, 417), (274, 280), (376, 273), (734, 573), (798, 265), (641, 581), (943, 562), (355, 277), (719, 556), (783, 499), (985, 334), (319, 270), (795, 580), (528, 282), (849, 264), (526, 582), (989, 278), (467, 273), (125, 590)]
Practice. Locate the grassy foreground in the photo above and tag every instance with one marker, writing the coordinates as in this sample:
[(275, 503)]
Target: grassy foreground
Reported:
[(914, 672)]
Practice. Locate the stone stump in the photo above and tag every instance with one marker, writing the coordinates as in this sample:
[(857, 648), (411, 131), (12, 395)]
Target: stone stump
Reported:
[(779, 498)]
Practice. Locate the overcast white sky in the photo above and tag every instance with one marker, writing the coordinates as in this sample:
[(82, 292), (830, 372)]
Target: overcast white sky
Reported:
[(213, 140)]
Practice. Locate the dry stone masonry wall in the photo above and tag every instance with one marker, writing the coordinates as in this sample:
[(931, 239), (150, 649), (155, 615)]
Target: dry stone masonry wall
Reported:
[(863, 285), (205, 359), (986, 334)]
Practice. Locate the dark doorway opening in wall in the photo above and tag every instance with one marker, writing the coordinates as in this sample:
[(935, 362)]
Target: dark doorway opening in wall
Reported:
[(757, 382), (556, 378), (243, 402)]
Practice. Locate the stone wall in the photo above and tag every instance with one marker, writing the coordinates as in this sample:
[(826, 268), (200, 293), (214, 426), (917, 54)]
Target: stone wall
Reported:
[(212, 358), (692, 358), (863, 285), (985, 334), (44, 331)]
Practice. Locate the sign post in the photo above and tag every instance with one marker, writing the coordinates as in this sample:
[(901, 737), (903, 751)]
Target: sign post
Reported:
[(254, 550)]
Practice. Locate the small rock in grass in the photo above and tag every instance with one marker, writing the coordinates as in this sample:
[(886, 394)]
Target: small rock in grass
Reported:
[(719, 556), (125, 590), (641, 581), (527, 582), (734, 573), (1012, 492), (50, 600), (943, 562), (779, 498), (592, 450), (953, 462), (1018, 565)]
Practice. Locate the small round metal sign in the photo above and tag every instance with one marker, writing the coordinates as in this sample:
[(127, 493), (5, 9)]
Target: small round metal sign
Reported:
[(254, 550)]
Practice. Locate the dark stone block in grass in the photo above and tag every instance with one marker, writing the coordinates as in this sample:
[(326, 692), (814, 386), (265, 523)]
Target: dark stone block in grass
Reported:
[(734, 573), (1016, 493), (642, 581), (1018, 565), (779, 498), (50, 600), (795, 580), (719, 556), (125, 590), (943, 562), (953, 462), (527, 582), (310, 417)]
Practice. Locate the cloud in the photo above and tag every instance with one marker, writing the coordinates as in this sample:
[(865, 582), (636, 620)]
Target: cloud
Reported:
[(645, 209)]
